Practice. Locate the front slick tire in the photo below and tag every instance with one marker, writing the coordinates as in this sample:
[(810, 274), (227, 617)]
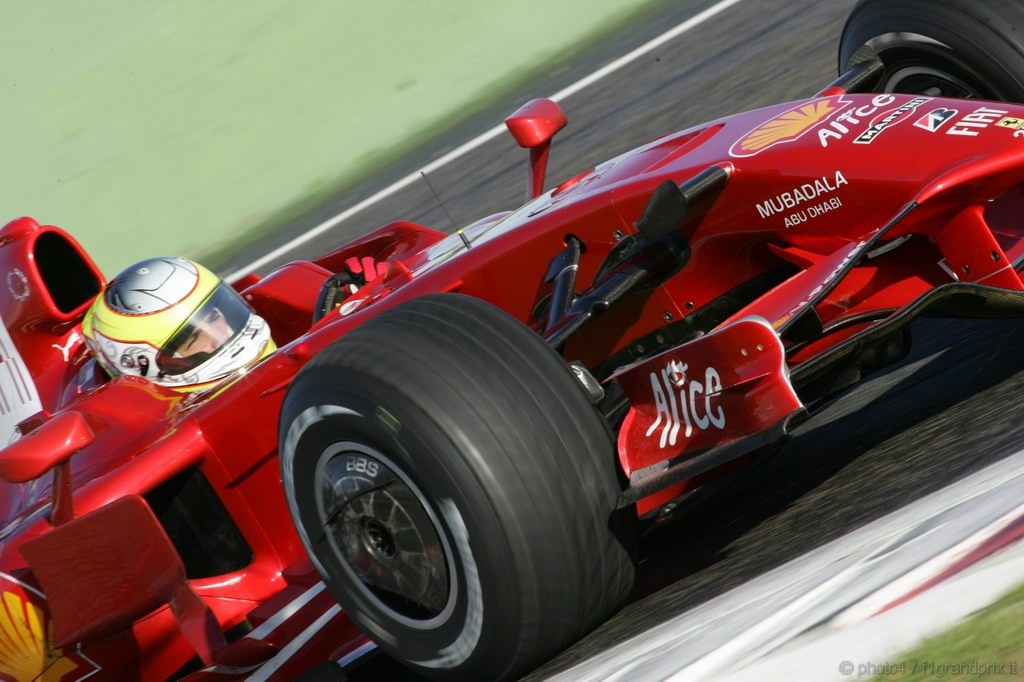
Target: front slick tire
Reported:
[(456, 489), (950, 48)]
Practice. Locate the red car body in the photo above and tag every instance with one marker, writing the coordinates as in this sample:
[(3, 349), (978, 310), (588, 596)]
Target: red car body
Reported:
[(843, 217)]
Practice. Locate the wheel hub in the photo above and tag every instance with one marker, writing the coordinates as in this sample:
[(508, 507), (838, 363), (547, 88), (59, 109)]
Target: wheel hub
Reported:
[(377, 538), (380, 528), (929, 81)]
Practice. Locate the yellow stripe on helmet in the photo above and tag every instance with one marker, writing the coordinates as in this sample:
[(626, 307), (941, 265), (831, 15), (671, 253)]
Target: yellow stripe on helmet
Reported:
[(155, 328)]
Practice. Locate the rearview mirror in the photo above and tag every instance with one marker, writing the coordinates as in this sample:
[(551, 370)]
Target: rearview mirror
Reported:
[(48, 446), (536, 122), (533, 125)]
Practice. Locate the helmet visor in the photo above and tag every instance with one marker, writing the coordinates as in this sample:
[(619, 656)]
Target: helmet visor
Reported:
[(218, 320)]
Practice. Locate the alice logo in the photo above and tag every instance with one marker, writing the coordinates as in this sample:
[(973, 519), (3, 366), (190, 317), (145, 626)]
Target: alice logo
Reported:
[(685, 402)]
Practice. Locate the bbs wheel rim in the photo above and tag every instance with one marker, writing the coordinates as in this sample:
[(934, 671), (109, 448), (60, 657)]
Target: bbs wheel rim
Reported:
[(929, 81), (921, 65), (382, 531)]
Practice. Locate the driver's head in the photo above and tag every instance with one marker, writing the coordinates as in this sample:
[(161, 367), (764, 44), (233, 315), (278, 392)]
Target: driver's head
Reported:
[(175, 323)]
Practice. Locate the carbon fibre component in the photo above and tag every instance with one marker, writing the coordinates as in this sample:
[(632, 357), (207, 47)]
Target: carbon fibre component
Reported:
[(862, 74), (658, 253), (841, 366), (844, 364), (662, 475), (670, 203), (562, 272)]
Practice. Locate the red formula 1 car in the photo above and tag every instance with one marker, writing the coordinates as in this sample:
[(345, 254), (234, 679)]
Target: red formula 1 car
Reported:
[(451, 463)]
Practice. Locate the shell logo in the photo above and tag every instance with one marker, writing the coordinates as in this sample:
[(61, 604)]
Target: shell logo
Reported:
[(787, 126), (24, 651)]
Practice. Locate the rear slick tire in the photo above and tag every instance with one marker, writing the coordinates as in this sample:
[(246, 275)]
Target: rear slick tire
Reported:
[(950, 48), (456, 489)]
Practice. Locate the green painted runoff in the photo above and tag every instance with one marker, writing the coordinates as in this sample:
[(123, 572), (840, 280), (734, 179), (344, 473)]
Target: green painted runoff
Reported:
[(173, 127)]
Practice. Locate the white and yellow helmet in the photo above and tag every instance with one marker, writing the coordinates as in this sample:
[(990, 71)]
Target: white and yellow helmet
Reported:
[(175, 323)]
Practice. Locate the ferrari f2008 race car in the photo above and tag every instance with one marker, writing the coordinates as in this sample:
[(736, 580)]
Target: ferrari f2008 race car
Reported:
[(452, 462)]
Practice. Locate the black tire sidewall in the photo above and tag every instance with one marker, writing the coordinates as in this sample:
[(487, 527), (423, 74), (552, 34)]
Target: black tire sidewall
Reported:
[(980, 41), (449, 481), (488, 425)]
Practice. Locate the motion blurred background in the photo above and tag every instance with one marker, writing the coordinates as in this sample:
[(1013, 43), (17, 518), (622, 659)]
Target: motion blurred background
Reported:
[(196, 128), (182, 127)]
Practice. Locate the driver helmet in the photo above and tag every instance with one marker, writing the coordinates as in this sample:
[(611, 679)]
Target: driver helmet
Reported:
[(175, 323)]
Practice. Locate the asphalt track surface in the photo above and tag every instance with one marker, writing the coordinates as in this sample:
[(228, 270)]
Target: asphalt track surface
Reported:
[(949, 409)]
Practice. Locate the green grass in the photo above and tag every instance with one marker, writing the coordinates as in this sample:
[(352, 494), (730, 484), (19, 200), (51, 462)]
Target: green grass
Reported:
[(216, 256), (994, 635), (157, 127)]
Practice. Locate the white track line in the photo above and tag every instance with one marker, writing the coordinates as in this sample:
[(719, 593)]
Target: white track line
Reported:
[(286, 612), (487, 136), (356, 654), (748, 631), (283, 656), (909, 583)]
